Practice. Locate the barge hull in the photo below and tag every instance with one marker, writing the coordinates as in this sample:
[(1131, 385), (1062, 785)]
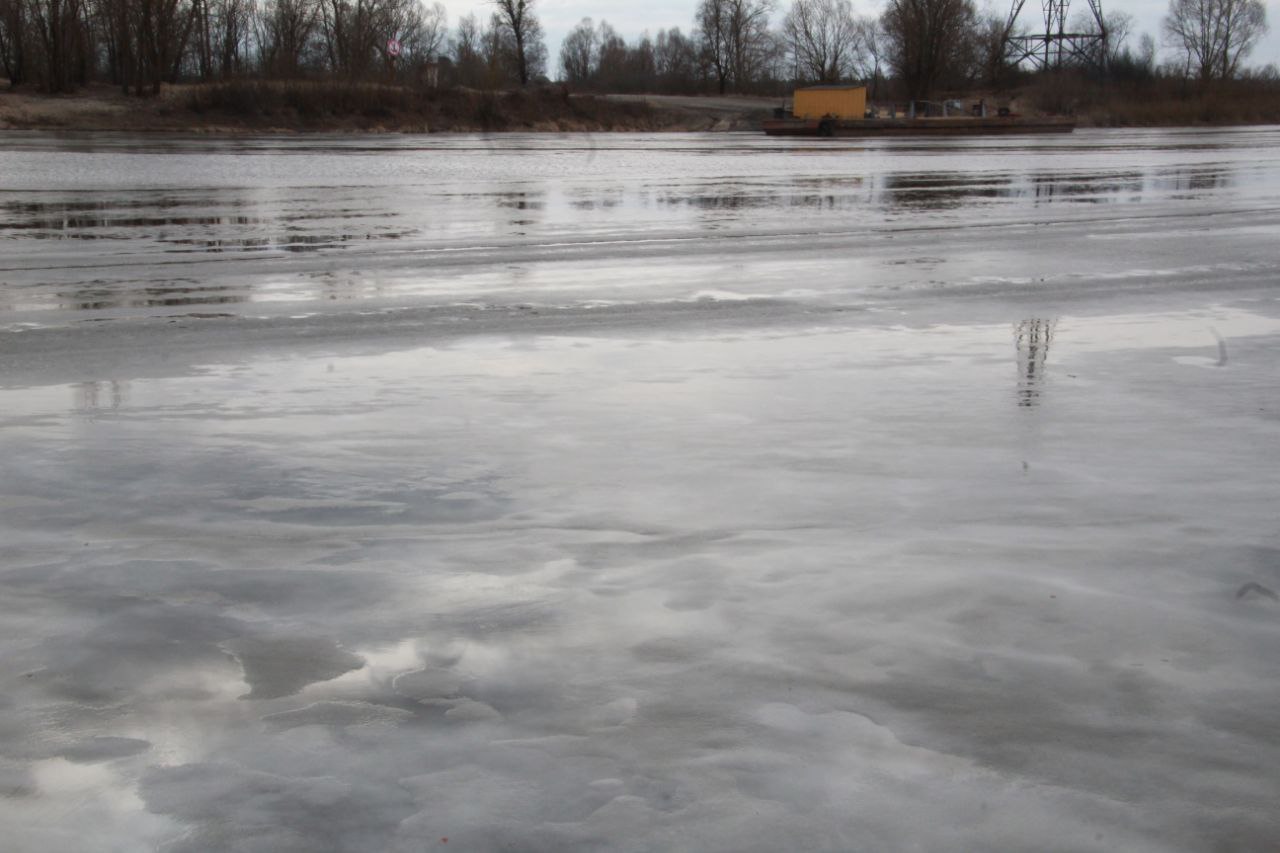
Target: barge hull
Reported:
[(917, 126)]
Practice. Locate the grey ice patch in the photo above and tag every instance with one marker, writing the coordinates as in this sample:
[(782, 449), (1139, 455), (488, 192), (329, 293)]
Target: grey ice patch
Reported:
[(669, 650), (471, 711), (619, 712), (430, 683), (1222, 347), (1255, 591), (104, 749), (229, 807), (281, 666), (16, 781), (127, 643), (337, 714), (690, 600)]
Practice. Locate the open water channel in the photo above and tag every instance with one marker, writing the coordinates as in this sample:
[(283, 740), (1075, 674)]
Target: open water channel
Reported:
[(680, 492)]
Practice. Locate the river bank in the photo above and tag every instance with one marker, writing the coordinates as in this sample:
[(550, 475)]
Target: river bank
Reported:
[(255, 106), (300, 107)]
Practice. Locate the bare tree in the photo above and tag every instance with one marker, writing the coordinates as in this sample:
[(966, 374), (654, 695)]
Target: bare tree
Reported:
[(466, 48), (735, 40), (642, 65), (420, 30), (752, 45), (204, 37), (357, 35), (151, 37), (675, 60), (1116, 26), (611, 59), (927, 40), (115, 27), (13, 40), (232, 43), (286, 34), (350, 37), (993, 58), (1147, 52), (500, 56), (1215, 35), (61, 41), (496, 50), (221, 36), (483, 54), (578, 53), (874, 46), (524, 34), (824, 39), (713, 41), (1146, 56), (599, 57)]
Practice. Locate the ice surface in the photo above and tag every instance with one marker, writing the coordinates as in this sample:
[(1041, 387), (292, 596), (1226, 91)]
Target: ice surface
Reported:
[(639, 493)]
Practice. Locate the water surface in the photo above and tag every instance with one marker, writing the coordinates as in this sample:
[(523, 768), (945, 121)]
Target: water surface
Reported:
[(703, 492)]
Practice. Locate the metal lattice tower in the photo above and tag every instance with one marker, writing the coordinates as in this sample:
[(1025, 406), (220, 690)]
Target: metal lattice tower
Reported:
[(1056, 46)]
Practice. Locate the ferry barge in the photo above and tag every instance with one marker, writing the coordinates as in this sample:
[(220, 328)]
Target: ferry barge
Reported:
[(842, 111)]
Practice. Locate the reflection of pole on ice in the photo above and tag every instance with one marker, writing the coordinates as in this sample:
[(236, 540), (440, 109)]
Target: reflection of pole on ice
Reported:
[(1033, 338)]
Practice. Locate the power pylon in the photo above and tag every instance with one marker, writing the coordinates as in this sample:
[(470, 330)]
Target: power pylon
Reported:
[(1056, 47)]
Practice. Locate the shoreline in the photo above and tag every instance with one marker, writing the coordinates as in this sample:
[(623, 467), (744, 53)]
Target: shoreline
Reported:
[(253, 108), (245, 108)]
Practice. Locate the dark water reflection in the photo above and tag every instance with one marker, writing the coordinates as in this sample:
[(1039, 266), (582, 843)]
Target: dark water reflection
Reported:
[(932, 192), (1194, 180), (927, 191), (521, 200), (197, 222), (150, 298), (93, 397), (154, 205), (191, 223)]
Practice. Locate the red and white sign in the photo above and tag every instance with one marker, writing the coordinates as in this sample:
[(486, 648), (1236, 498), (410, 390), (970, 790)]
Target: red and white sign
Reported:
[(393, 48)]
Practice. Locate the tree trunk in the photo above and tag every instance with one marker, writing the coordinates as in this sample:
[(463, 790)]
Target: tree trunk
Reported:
[(521, 61)]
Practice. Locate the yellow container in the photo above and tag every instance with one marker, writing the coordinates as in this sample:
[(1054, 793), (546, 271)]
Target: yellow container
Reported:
[(843, 102)]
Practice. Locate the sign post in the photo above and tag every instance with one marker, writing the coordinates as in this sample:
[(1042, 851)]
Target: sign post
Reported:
[(393, 53)]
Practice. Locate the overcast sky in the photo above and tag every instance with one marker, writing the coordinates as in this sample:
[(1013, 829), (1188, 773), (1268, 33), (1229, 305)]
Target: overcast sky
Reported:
[(631, 18)]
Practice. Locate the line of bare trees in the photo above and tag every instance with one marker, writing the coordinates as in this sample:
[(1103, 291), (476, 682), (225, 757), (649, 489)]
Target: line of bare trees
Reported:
[(734, 46), (920, 45), (140, 44), (1214, 36)]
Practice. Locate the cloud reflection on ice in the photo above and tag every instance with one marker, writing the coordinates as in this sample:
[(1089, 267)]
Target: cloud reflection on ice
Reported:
[(701, 590)]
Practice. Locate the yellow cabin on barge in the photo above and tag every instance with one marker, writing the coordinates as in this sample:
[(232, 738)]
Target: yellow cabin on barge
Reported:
[(839, 102)]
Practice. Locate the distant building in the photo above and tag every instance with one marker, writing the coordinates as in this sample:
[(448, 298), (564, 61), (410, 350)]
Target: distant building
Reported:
[(429, 76)]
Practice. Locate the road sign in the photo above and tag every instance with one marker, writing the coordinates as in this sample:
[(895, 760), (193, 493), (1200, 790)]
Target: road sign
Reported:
[(393, 48)]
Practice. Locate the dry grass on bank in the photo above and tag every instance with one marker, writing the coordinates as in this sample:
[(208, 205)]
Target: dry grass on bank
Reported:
[(288, 106), (311, 104), (256, 106), (1159, 102)]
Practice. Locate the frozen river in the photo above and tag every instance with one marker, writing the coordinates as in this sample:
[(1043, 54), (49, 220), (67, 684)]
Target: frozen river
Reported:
[(682, 492)]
